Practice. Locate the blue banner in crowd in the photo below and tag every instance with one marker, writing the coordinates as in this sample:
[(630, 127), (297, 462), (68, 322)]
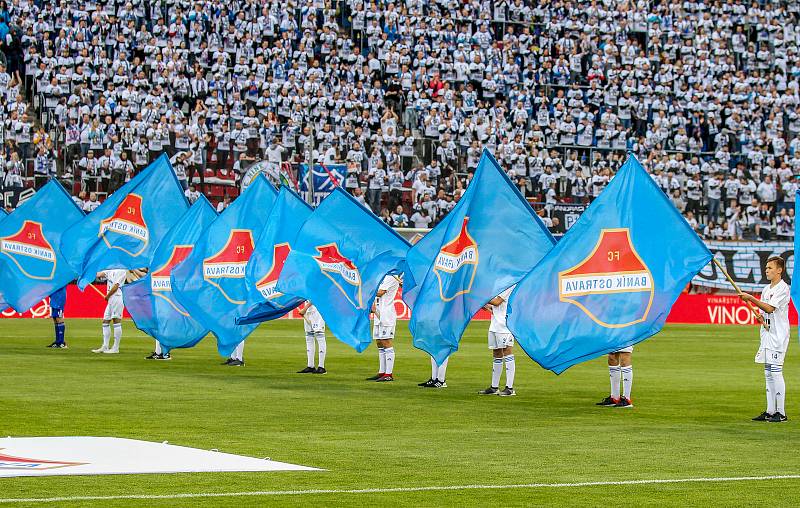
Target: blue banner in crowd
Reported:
[(150, 301), (31, 264), (611, 280), (264, 301), (210, 283), (487, 243), (324, 178), (339, 259), (123, 232)]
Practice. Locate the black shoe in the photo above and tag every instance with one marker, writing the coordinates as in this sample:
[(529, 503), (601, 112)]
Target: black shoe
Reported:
[(623, 402), (236, 363), (375, 377), (152, 356), (165, 356), (63, 345), (385, 378), (54, 345), (426, 384), (763, 417), (227, 362), (438, 384), (489, 391), (307, 370), (507, 392), (777, 418), (607, 402), (320, 370)]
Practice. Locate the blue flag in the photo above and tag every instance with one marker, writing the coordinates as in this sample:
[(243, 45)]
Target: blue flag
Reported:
[(795, 288), (487, 243), (338, 260), (124, 231), (31, 263), (3, 304), (210, 282), (150, 301), (264, 301), (611, 280)]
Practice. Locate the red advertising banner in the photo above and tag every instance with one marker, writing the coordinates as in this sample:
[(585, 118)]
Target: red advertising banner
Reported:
[(689, 309)]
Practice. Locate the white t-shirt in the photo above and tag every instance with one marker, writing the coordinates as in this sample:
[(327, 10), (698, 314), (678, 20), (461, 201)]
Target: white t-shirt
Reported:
[(312, 321), (115, 277), (777, 338), (385, 313), (498, 323)]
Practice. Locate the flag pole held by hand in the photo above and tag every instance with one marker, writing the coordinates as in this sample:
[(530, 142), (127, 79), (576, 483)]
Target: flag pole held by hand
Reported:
[(739, 292)]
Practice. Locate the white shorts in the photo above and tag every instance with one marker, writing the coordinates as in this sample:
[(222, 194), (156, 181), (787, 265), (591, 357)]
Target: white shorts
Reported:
[(770, 356), (500, 340), (628, 349), (380, 332), (113, 309)]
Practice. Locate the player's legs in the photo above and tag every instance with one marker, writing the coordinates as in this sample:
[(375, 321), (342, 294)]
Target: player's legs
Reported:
[(388, 351), (310, 349), (614, 376), (59, 328), (441, 371), (511, 369), (322, 350), (116, 324), (770, 382), (106, 334), (626, 370)]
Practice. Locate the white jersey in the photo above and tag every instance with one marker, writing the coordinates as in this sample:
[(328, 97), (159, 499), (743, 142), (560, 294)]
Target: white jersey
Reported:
[(777, 338), (385, 313), (498, 323), (312, 320), (115, 277)]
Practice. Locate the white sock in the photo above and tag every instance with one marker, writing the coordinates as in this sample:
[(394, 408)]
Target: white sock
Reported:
[(441, 371), (389, 351), (158, 348), (310, 350), (434, 369), (627, 381), (238, 353), (615, 375), (106, 335), (780, 389), (497, 371), (511, 369), (770, 389), (322, 345), (117, 336), (382, 358)]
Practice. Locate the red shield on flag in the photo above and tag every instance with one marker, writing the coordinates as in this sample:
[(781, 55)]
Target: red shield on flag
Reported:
[(30, 251), (456, 264), (612, 285), (11, 462), (226, 266), (266, 286), (126, 229), (341, 271), (160, 282)]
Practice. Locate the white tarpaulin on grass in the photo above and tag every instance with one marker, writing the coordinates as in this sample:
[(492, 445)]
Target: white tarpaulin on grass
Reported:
[(59, 456)]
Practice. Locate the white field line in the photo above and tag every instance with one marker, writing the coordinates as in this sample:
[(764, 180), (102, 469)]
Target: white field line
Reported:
[(193, 495)]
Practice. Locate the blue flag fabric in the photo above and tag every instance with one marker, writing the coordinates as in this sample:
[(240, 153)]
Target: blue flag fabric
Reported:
[(264, 301), (31, 264), (210, 282), (338, 260), (124, 231), (150, 301), (611, 280), (487, 243), (795, 288), (3, 304)]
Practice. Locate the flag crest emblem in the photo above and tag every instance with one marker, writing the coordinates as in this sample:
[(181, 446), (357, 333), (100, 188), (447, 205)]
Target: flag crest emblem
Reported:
[(612, 277), (223, 268), (30, 251), (126, 228), (267, 285), (341, 271), (160, 283), (12, 462), (456, 264)]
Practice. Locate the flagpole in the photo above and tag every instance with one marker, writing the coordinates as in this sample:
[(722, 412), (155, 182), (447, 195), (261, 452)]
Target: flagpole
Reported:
[(739, 292)]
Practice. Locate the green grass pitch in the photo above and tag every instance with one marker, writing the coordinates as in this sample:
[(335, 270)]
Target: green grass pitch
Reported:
[(695, 390)]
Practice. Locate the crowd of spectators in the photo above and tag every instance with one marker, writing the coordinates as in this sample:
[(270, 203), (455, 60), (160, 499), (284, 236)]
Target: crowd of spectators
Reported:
[(409, 92)]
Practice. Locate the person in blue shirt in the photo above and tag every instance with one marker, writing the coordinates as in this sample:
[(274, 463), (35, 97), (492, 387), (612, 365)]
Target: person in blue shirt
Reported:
[(57, 302)]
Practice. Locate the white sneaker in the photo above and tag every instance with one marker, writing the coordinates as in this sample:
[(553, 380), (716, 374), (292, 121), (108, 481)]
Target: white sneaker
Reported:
[(111, 351), (100, 350)]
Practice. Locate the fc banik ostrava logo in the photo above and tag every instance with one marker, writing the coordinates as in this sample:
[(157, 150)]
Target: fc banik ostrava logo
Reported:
[(30, 251), (342, 272), (612, 285), (226, 269), (267, 284), (160, 282), (126, 229), (456, 264)]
